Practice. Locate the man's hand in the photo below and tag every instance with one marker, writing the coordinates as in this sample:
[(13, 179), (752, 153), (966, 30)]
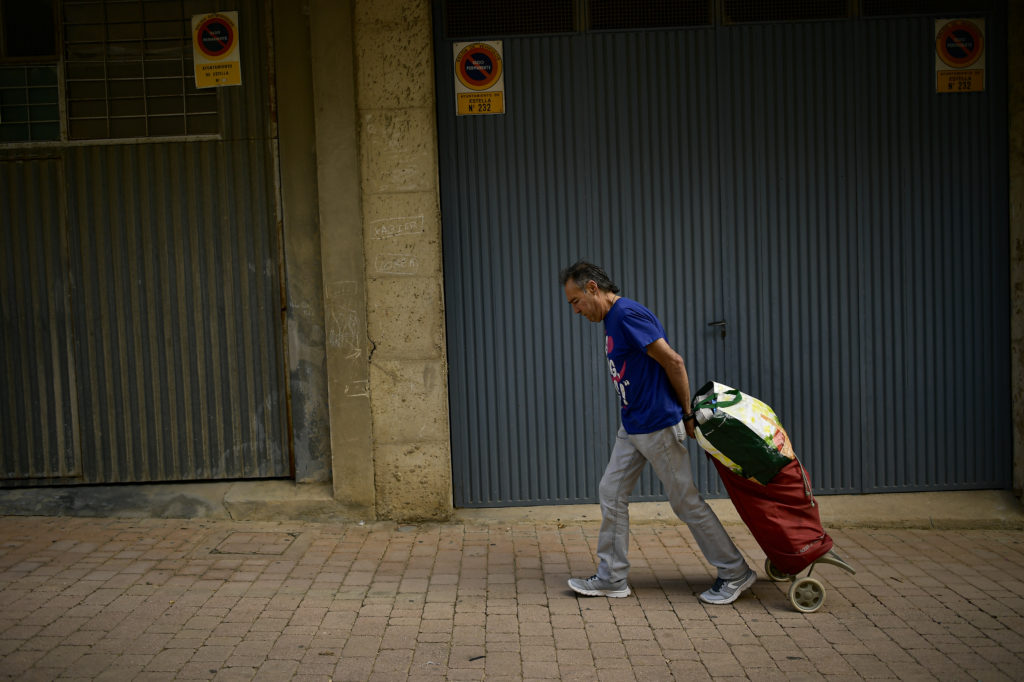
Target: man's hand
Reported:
[(675, 368), (691, 427)]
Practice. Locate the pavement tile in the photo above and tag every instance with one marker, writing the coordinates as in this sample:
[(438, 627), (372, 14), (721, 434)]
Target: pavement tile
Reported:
[(640, 632), (722, 664), (468, 634), (538, 652), (399, 637), (568, 639), (577, 673), (466, 674), (353, 669), (540, 670), (276, 670), (605, 662), (169, 660), (575, 657)]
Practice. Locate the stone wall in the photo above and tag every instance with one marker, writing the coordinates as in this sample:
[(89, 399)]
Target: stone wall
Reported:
[(402, 243)]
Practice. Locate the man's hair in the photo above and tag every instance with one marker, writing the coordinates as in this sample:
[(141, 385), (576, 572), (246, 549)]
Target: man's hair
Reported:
[(582, 272)]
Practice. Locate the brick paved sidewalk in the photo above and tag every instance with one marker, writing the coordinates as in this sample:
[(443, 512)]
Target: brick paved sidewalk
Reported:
[(163, 599)]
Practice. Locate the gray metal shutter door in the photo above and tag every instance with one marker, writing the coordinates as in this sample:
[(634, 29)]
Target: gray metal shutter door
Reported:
[(513, 189), (789, 140), (177, 322), (38, 412), (779, 181), (873, 290), (934, 210)]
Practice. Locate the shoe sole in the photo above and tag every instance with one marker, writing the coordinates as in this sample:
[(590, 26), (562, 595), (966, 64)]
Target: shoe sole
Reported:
[(735, 595), (600, 593)]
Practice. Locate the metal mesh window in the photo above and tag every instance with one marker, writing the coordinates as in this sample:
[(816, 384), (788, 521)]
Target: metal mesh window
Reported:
[(128, 71), (471, 19), (617, 15), (752, 11), (29, 96), (29, 111)]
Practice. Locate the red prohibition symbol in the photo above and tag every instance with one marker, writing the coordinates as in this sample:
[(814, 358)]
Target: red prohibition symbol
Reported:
[(215, 36), (478, 66), (959, 44)]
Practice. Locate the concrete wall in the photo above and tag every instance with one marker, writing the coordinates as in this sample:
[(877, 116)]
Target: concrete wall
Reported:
[(307, 359), (1015, 29), (341, 239)]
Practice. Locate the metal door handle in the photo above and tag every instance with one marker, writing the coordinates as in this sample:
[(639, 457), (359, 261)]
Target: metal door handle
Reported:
[(719, 323)]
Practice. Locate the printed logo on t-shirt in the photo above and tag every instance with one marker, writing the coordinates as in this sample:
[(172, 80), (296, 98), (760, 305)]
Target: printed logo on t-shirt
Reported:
[(617, 375)]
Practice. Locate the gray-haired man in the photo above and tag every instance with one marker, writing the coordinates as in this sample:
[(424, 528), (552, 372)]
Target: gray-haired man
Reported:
[(654, 391)]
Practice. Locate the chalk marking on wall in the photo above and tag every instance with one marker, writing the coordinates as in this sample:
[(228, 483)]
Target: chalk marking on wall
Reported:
[(342, 289), (359, 385), (344, 332), (394, 227), (301, 309), (396, 264), (344, 323)]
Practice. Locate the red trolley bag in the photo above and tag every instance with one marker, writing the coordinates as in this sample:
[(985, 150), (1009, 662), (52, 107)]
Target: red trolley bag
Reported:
[(768, 486), (781, 515)]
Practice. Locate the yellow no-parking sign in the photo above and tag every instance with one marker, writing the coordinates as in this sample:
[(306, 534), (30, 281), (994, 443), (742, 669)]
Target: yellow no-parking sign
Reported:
[(959, 55), (479, 78), (215, 49)]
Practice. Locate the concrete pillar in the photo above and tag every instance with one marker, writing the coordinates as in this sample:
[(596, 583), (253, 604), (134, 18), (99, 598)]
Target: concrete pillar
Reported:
[(402, 241), (307, 360), (1015, 28), (341, 247)]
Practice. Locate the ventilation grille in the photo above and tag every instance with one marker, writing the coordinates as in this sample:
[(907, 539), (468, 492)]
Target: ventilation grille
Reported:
[(617, 15), (756, 11), (129, 72), (895, 8), (464, 19)]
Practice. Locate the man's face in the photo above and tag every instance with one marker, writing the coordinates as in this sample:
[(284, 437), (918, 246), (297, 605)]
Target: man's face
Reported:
[(584, 302)]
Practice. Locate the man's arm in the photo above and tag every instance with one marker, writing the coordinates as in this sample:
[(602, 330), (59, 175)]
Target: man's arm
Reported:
[(675, 368)]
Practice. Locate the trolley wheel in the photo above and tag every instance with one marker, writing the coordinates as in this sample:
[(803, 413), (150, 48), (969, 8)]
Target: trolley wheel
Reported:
[(774, 573), (807, 595)]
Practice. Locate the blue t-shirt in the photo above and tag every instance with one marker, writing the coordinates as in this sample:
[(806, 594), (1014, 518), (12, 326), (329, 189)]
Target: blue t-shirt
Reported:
[(649, 402)]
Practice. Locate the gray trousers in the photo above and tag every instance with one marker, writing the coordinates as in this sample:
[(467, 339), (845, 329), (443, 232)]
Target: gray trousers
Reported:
[(666, 451)]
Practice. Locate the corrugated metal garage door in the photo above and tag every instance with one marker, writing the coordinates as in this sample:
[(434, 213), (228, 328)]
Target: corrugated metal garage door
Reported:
[(39, 415), (142, 329), (802, 182)]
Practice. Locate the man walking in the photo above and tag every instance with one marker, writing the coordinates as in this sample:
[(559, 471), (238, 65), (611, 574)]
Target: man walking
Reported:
[(653, 388)]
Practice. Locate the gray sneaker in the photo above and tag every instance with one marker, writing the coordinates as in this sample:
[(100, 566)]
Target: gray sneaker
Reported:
[(595, 587), (727, 591)]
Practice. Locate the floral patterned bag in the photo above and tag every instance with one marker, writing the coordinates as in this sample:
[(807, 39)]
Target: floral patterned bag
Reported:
[(741, 432)]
